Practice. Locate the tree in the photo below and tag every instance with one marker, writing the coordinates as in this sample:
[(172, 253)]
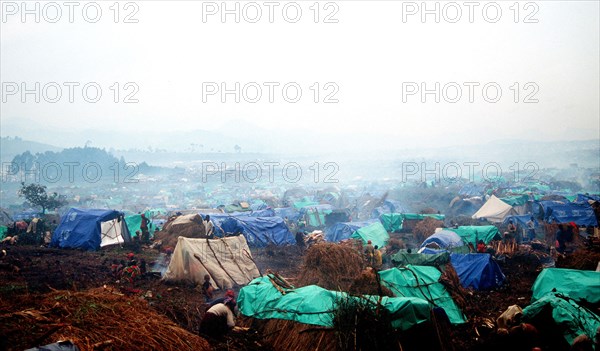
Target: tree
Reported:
[(36, 195)]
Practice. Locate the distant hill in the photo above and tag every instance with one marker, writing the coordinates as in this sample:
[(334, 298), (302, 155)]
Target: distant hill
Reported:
[(13, 146)]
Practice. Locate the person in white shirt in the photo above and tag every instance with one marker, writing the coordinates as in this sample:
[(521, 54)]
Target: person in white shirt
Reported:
[(219, 319), (208, 226)]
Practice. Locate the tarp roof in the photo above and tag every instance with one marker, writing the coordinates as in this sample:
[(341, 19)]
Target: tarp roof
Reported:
[(577, 284), (343, 230), (90, 229), (494, 210), (474, 233), (478, 271), (403, 258), (580, 213), (259, 231), (315, 305), (422, 282), (445, 239), (374, 232), (571, 318)]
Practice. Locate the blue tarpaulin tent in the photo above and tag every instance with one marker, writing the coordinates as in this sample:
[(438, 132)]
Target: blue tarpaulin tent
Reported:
[(289, 212), (258, 231), (580, 213), (587, 197), (521, 220), (445, 239), (90, 229), (342, 231), (477, 271)]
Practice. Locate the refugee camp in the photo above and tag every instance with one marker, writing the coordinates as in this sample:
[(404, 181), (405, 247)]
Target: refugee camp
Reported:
[(300, 176)]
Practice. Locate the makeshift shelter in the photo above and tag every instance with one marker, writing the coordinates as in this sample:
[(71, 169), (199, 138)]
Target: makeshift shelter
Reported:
[(577, 284), (314, 215), (422, 282), (134, 221), (344, 230), (478, 271), (90, 229), (314, 305), (403, 258), (559, 212), (472, 234), (227, 261), (444, 240), (494, 210), (259, 231), (392, 222), (374, 232), (570, 318), (521, 220), (289, 212)]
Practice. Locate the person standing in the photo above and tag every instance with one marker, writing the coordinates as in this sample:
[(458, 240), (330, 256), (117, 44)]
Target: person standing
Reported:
[(208, 227), (145, 230), (530, 229)]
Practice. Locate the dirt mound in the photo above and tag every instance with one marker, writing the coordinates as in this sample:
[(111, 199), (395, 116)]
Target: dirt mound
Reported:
[(95, 318), (331, 266), (581, 259), (367, 284)]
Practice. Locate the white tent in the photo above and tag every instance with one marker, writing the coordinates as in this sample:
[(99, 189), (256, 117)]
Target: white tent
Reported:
[(494, 210), (227, 261), (112, 232)]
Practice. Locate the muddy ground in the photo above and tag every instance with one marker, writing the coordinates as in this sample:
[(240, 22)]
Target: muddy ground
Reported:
[(26, 272)]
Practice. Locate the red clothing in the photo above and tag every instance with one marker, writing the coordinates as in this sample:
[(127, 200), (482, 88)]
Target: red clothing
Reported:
[(481, 248)]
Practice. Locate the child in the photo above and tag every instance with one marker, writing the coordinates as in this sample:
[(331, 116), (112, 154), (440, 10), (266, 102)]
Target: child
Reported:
[(207, 288)]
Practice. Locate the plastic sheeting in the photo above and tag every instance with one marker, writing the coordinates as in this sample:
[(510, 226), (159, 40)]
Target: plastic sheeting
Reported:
[(392, 222), (90, 229), (374, 232), (342, 231), (227, 261), (315, 305), (571, 318), (577, 284), (478, 271), (474, 233), (422, 282), (445, 239), (403, 258), (580, 213), (259, 231)]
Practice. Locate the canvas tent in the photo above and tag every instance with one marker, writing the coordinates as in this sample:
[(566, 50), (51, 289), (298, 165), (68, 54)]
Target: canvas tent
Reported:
[(392, 222), (342, 231), (90, 229), (374, 232), (477, 271), (227, 261), (314, 305), (494, 210)]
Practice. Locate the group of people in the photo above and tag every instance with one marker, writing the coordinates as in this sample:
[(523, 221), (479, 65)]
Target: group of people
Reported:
[(128, 271), (513, 234), (373, 255)]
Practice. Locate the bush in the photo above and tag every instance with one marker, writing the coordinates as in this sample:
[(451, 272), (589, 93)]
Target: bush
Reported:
[(425, 228)]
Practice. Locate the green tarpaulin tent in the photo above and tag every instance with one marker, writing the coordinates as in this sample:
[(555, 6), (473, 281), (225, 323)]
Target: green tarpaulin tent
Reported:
[(569, 316), (439, 217), (392, 222), (403, 258), (315, 305), (516, 200), (3, 231), (578, 285), (472, 234), (422, 282), (301, 204), (134, 221), (374, 232)]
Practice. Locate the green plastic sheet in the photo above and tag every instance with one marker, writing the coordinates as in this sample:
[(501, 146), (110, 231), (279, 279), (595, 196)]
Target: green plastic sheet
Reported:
[(315, 305), (422, 282), (577, 284), (374, 232)]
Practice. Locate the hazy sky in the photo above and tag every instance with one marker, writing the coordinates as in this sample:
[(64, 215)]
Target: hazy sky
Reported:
[(375, 52)]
